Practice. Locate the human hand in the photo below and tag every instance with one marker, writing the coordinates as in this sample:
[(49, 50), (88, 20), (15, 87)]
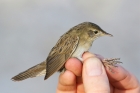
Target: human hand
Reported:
[(91, 77)]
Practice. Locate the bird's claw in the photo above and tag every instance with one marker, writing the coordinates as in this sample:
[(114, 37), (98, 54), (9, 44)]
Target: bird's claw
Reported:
[(111, 62)]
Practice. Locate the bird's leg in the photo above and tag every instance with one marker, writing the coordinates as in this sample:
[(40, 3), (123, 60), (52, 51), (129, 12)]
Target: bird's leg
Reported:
[(111, 62)]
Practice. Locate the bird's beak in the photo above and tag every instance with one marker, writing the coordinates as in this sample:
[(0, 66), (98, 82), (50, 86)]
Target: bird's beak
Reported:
[(105, 33)]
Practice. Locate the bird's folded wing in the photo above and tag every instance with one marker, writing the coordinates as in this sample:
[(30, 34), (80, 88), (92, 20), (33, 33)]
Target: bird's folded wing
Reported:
[(59, 54)]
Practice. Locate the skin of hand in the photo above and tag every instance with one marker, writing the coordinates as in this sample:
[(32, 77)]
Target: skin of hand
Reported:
[(92, 77)]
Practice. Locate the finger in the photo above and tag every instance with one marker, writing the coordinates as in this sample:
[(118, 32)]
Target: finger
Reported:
[(99, 56), (66, 83), (122, 79), (75, 66), (94, 76)]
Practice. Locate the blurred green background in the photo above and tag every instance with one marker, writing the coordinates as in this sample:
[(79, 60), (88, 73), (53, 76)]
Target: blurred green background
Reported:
[(30, 28)]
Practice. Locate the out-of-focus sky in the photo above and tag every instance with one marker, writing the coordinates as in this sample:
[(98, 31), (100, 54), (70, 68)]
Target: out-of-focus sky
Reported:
[(30, 28)]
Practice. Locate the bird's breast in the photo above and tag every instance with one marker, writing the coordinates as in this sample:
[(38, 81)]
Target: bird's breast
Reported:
[(80, 50)]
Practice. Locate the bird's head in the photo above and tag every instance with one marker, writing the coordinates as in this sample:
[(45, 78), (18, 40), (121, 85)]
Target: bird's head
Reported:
[(94, 30)]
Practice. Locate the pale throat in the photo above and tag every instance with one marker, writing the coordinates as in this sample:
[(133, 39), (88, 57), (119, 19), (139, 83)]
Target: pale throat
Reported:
[(80, 50)]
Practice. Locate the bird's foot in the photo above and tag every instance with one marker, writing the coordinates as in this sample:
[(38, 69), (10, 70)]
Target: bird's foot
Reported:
[(111, 62)]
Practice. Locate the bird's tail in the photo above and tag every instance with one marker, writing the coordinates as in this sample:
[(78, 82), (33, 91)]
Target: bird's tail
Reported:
[(37, 70)]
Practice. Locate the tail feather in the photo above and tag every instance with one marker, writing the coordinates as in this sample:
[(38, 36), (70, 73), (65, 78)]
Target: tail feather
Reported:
[(37, 70)]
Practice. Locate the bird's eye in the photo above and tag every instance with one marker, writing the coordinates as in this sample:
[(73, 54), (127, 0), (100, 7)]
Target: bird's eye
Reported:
[(95, 31)]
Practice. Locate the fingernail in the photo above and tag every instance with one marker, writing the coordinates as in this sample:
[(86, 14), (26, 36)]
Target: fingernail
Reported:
[(93, 67)]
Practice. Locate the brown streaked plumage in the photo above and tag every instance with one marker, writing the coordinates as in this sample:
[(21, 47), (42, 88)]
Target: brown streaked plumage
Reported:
[(72, 44)]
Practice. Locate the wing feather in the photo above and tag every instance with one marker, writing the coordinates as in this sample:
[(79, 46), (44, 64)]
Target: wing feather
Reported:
[(59, 54), (55, 61)]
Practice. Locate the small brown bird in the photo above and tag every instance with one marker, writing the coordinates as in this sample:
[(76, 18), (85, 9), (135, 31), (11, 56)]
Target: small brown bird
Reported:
[(72, 44)]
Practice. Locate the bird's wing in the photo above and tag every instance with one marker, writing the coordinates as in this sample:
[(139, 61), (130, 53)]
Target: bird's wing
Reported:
[(37, 70), (59, 54)]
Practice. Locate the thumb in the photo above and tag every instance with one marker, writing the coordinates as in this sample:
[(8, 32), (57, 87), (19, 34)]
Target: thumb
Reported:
[(94, 76)]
